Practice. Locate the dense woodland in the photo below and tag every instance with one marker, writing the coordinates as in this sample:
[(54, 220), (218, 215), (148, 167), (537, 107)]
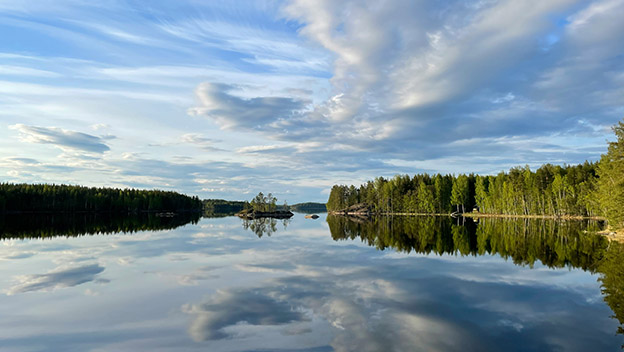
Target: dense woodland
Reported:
[(589, 189), (553, 190), (65, 198)]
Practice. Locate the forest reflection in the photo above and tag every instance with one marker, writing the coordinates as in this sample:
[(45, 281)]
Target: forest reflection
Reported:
[(80, 224), (556, 244), (264, 226)]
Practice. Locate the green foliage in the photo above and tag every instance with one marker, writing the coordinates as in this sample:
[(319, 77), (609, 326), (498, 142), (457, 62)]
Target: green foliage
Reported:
[(426, 202), (550, 190), (610, 183), (65, 198), (459, 193), (263, 203)]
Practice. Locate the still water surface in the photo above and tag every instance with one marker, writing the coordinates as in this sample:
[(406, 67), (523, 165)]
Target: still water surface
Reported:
[(222, 284)]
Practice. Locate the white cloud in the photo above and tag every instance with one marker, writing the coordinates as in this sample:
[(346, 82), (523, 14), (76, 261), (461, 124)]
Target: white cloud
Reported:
[(324, 89), (63, 139), (230, 111)]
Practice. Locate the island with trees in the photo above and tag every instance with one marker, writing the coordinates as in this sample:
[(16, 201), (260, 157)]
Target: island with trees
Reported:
[(221, 207), (591, 189), (262, 206)]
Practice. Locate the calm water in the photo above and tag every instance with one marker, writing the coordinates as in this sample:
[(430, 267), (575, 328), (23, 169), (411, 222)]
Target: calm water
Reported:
[(424, 284)]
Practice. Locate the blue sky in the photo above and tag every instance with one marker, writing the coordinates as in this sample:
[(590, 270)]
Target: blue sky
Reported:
[(224, 99)]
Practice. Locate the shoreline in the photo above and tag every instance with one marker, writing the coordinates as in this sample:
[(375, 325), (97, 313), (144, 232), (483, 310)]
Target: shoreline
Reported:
[(475, 215), (611, 234), (522, 216)]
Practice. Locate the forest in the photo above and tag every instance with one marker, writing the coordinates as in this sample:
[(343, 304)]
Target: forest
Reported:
[(588, 189), (31, 198)]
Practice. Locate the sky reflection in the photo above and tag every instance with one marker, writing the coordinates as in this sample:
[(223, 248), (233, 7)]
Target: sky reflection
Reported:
[(216, 286)]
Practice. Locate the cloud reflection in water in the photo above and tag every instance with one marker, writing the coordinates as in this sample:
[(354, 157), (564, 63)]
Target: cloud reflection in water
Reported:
[(58, 278), (410, 304)]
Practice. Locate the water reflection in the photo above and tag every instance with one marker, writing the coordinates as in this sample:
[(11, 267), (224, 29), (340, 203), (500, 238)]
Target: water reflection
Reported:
[(57, 278), (264, 226), (436, 286), (51, 225), (554, 243), (612, 281)]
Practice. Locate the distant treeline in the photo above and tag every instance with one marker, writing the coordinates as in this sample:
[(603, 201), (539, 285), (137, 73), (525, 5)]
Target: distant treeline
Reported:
[(81, 224), (309, 207), (214, 207), (65, 198), (589, 189), (222, 206)]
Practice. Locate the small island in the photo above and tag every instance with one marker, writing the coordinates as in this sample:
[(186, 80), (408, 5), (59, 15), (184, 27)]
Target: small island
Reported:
[(264, 207)]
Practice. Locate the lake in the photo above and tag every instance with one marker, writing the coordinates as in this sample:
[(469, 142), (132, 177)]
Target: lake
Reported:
[(331, 284)]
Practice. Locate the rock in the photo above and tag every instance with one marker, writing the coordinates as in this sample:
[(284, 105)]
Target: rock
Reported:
[(251, 214)]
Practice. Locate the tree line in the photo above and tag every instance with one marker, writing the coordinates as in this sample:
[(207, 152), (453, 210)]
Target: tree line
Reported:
[(68, 198), (588, 189), (551, 189)]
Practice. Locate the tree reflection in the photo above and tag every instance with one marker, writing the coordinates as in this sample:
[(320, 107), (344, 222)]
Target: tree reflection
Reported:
[(70, 225), (264, 226), (612, 281), (555, 244)]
